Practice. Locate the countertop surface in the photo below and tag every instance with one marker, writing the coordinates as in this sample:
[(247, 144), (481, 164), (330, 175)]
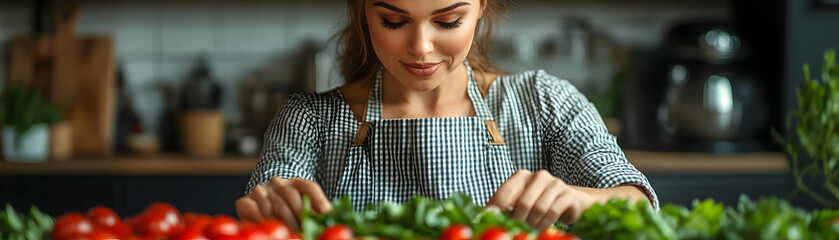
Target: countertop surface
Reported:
[(647, 162)]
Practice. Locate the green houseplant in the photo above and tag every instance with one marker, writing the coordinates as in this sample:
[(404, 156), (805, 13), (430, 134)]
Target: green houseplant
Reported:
[(813, 144), (23, 109)]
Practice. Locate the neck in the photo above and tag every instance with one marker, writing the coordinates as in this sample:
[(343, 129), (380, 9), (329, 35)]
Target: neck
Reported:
[(452, 89)]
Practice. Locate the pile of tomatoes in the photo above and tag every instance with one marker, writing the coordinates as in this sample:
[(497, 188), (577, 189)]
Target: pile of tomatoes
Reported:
[(163, 221), (461, 232)]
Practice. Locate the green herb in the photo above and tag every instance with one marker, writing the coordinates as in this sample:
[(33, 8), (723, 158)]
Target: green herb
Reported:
[(767, 218), (419, 218), (22, 108), (816, 117), (30, 226)]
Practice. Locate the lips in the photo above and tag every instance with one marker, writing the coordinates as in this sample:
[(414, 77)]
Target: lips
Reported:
[(421, 69)]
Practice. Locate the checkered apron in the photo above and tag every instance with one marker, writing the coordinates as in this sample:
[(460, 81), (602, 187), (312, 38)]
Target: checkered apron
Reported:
[(395, 159)]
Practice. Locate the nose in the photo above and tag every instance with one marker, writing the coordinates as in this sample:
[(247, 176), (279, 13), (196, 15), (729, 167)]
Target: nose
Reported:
[(421, 43)]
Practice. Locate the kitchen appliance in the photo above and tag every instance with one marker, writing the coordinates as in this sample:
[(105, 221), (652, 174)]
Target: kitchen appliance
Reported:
[(703, 95), (201, 122)]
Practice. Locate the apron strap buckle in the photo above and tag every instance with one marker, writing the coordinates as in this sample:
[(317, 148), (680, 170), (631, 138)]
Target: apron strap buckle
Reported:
[(361, 135), (494, 133)]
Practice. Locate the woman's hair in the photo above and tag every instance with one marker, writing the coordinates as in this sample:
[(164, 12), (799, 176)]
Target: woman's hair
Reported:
[(359, 60)]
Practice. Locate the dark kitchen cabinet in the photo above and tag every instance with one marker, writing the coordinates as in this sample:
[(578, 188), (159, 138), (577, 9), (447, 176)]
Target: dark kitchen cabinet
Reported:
[(127, 195), (682, 189)]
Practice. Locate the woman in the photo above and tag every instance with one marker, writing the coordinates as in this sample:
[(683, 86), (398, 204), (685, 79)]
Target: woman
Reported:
[(424, 112)]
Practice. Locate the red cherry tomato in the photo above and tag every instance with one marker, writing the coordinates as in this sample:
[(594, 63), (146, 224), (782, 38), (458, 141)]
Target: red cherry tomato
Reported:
[(222, 227), (294, 236), (521, 236), (495, 233), (554, 234), (337, 232), (191, 234), (108, 219), (198, 222), (456, 232), (101, 234), (190, 218), (275, 229), (250, 231), (70, 226), (159, 220)]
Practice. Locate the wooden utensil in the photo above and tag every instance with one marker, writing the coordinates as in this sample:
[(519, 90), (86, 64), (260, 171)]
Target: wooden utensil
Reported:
[(77, 73)]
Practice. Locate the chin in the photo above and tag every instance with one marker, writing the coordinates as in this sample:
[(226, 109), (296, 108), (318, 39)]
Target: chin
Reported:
[(421, 84)]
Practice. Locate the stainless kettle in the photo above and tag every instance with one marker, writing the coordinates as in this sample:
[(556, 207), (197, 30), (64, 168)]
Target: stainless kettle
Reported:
[(713, 104), (709, 96)]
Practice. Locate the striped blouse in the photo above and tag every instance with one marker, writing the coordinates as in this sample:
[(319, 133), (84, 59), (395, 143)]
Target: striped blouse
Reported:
[(545, 121)]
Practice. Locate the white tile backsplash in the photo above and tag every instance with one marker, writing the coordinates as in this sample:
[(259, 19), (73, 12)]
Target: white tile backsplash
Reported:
[(189, 14), (139, 73), (252, 39), (316, 22), (174, 72), (121, 13), (176, 39), (158, 41), (136, 41)]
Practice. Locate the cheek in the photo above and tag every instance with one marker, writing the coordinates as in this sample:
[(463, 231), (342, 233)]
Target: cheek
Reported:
[(456, 42), (386, 43)]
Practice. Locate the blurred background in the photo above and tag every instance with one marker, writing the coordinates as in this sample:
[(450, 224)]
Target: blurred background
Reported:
[(168, 100)]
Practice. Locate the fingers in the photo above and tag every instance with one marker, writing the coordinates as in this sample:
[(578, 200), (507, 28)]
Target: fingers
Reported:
[(573, 212), (283, 211), (260, 195), (290, 195), (557, 209), (281, 199), (533, 194), (248, 210), (320, 204), (542, 207), (507, 195)]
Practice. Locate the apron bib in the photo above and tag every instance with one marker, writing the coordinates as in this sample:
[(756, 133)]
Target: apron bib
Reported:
[(395, 159)]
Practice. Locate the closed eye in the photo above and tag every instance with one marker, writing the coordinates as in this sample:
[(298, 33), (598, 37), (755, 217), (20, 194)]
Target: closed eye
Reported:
[(451, 25), (391, 25)]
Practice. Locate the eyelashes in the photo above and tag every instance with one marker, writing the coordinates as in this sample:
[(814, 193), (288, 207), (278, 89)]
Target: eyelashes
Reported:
[(446, 25), (451, 25), (391, 25)]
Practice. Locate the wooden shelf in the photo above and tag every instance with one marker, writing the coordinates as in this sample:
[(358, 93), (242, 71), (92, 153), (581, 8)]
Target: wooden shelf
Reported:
[(647, 162), (698, 163), (124, 165)]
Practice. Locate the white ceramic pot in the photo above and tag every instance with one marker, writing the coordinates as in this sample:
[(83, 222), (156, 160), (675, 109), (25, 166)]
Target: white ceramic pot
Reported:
[(34, 144)]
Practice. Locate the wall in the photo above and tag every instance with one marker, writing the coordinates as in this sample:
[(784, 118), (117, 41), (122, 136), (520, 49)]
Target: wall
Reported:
[(158, 41), (809, 32)]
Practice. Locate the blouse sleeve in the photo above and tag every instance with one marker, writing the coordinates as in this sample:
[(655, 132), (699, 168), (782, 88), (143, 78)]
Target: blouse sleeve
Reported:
[(290, 144), (580, 149)]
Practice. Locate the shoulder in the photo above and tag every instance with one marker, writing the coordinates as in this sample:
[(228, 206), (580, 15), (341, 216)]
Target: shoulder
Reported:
[(305, 104), (553, 99), (539, 83)]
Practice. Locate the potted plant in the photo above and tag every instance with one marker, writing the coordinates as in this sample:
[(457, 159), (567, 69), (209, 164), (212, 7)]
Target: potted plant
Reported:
[(813, 144), (26, 117)]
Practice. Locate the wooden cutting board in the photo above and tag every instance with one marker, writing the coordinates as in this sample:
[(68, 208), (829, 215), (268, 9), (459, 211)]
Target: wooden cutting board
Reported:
[(76, 72), (93, 111)]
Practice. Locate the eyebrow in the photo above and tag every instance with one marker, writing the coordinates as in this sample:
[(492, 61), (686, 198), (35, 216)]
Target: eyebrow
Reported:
[(435, 12)]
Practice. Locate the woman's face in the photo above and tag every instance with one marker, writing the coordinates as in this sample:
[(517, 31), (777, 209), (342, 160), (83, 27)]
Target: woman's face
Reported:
[(422, 42)]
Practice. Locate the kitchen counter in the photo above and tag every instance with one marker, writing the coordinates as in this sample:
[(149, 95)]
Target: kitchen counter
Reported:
[(127, 165), (647, 162), (705, 163)]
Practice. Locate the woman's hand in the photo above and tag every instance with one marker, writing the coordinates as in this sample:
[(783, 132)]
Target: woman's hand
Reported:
[(281, 199), (541, 199)]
